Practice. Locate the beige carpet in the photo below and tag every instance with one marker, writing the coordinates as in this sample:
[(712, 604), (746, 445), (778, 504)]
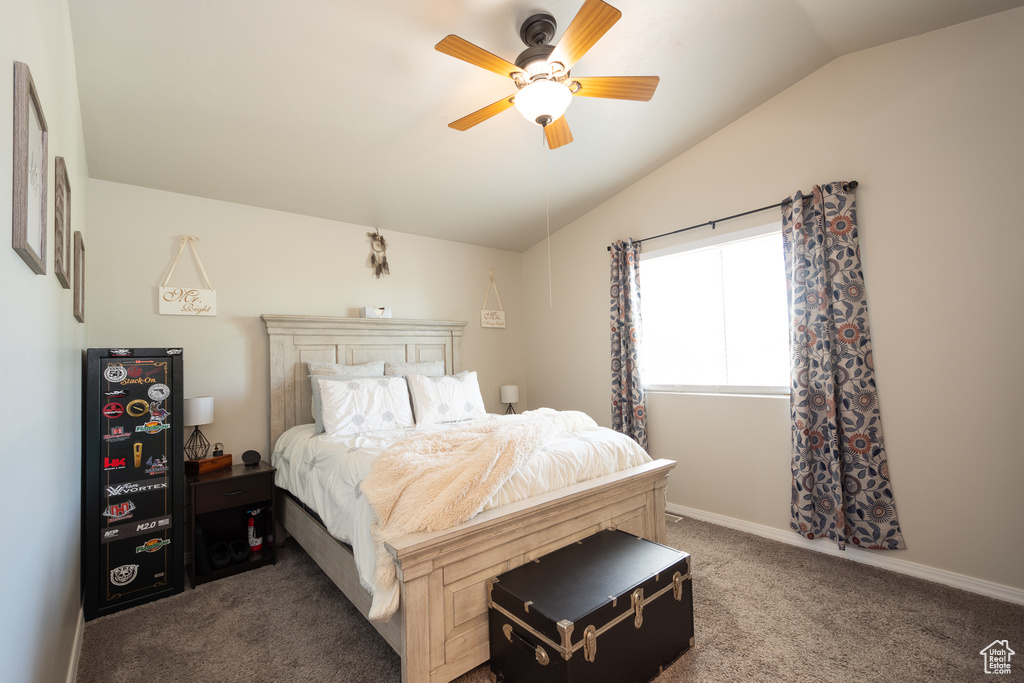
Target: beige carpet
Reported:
[(764, 611)]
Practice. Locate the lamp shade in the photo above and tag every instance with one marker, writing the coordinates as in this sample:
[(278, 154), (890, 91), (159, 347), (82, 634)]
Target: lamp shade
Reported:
[(199, 410), (510, 393), (541, 99)]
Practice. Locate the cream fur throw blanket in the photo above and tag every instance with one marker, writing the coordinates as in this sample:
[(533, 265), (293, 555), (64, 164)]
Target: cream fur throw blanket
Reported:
[(434, 481)]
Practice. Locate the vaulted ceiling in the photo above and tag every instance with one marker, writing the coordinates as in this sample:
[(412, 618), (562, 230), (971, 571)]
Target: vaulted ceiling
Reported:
[(339, 108)]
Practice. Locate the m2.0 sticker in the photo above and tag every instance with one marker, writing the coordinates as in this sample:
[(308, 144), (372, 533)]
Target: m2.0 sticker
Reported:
[(123, 575), (113, 410), (153, 525), (119, 511), (115, 374)]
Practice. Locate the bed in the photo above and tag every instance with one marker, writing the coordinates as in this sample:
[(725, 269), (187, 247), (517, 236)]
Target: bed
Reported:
[(440, 628)]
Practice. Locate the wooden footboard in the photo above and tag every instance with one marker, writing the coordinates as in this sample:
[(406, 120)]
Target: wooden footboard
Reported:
[(440, 630)]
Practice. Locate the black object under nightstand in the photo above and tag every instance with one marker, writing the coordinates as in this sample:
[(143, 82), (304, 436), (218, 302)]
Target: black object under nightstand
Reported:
[(217, 511)]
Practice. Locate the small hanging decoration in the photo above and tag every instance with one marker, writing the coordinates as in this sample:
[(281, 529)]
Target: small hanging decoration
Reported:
[(187, 300), (378, 255), (492, 317)]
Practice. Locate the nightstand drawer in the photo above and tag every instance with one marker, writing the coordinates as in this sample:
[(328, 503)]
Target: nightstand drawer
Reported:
[(233, 492)]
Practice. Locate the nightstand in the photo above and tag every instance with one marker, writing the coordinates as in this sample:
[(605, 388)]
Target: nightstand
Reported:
[(217, 507)]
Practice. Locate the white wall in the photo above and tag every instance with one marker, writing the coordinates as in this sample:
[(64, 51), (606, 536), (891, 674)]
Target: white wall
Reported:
[(931, 128), (263, 261), (40, 371)]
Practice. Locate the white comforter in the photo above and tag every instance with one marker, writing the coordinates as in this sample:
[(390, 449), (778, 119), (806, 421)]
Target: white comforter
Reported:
[(324, 472)]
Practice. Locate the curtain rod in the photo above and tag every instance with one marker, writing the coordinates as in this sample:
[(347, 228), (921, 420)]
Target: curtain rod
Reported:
[(846, 188)]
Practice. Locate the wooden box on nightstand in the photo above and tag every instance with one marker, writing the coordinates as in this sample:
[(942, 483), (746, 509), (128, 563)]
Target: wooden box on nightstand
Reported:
[(217, 511)]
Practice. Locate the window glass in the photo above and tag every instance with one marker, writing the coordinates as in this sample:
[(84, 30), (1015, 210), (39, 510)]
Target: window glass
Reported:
[(714, 316)]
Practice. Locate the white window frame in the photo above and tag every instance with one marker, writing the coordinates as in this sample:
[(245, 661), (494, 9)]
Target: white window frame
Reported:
[(704, 243)]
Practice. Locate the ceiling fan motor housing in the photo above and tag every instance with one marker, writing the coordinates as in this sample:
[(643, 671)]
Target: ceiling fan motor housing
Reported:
[(538, 30), (534, 54)]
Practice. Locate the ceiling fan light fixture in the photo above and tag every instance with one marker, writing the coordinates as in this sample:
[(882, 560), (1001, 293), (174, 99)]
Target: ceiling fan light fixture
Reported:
[(542, 72), (543, 101)]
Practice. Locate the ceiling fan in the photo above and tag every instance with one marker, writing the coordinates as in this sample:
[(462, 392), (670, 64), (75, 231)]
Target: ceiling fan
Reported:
[(541, 72)]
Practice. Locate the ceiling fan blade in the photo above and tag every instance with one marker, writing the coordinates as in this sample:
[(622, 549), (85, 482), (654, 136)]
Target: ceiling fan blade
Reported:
[(468, 52), (481, 115), (558, 133), (586, 28), (640, 88)]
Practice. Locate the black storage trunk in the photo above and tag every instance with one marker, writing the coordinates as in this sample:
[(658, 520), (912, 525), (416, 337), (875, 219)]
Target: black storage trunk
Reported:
[(612, 607)]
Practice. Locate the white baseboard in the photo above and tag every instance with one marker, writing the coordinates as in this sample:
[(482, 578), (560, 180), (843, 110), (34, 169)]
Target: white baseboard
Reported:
[(79, 635), (883, 561)]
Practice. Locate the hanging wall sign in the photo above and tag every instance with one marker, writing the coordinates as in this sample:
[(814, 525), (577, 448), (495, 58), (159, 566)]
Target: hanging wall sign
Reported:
[(491, 317), (188, 300)]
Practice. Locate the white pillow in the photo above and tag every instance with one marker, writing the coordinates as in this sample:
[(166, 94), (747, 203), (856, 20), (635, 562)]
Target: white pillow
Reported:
[(365, 405), (316, 403), (449, 398), (433, 368), (336, 371)]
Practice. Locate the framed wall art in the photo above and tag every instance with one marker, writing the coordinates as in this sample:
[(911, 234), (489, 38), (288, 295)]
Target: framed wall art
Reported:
[(28, 234), (62, 224), (79, 277)]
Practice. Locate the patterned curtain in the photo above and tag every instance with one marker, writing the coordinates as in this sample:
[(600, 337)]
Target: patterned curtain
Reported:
[(841, 486), (629, 408)]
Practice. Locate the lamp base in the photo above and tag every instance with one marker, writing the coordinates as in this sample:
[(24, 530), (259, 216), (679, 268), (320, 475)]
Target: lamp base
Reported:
[(510, 410), (197, 446)]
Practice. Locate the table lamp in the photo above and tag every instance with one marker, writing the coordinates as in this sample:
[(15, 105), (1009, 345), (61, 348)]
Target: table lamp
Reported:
[(510, 396), (198, 411)]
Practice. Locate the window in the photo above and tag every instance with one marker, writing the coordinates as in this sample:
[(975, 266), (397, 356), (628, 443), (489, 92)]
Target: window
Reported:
[(714, 315)]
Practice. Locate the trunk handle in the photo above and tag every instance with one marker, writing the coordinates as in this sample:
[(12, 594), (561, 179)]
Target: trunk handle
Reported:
[(539, 652)]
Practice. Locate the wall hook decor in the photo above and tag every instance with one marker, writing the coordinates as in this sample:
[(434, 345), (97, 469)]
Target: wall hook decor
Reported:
[(187, 300), (378, 255), (491, 317)]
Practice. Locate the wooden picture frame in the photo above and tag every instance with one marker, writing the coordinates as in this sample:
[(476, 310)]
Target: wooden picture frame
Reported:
[(79, 305), (28, 233), (62, 224)]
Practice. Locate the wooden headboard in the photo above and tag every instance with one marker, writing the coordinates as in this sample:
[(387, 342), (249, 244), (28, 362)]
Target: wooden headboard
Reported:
[(297, 339)]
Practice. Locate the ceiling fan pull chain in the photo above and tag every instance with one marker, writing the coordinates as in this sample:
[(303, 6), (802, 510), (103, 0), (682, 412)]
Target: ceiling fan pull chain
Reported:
[(547, 217)]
